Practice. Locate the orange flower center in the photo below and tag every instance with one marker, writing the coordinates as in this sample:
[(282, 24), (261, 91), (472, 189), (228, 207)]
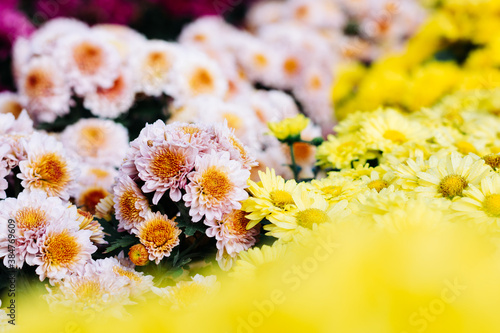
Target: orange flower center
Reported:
[(61, 249), (52, 172), (167, 163), (215, 184), (31, 218), (159, 232), (91, 197), (88, 57), (128, 211), (115, 91), (201, 81), (38, 83)]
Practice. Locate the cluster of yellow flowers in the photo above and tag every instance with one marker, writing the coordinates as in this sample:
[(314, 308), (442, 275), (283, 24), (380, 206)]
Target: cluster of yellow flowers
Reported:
[(457, 49)]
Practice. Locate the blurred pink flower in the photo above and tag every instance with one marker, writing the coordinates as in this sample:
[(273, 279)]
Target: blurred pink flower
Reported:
[(13, 24)]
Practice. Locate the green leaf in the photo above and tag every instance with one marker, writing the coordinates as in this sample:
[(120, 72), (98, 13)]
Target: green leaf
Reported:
[(123, 242)]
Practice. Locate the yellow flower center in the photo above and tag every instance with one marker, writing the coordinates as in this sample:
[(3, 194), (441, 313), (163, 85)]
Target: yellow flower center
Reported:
[(123, 272), (156, 65), (159, 233), (281, 198), (52, 172), (88, 57), (301, 12), (378, 185), (493, 160), (395, 136), (128, 211), (465, 147), (92, 138), (38, 83), (190, 130), (291, 66), (88, 291), (167, 163), (215, 183), (91, 196), (332, 191), (491, 205), (315, 83), (61, 249), (236, 222), (201, 81), (31, 218), (307, 218), (99, 173), (345, 147), (233, 121), (452, 185), (188, 293), (260, 60)]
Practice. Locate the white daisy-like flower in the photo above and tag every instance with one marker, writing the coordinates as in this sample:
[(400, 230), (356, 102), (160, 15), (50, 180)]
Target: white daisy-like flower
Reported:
[(259, 60), (232, 236), (131, 206), (43, 89), (217, 185), (187, 293), (63, 250), (196, 75), (48, 167), (115, 100), (164, 166), (159, 235), (10, 103), (96, 141), (137, 282), (88, 61), (452, 175), (90, 290), (32, 212), (153, 66)]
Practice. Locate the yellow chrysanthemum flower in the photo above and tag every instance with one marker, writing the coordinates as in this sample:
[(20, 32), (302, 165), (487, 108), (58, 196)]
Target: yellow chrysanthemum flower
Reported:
[(289, 127)]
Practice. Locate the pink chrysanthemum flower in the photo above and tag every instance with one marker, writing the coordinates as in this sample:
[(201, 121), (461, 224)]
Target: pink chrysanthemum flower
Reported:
[(32, 212), (232, 236), (217, 186), (115, 100), (195, 135), (164, 167), (96, 141), (131, 206), (63, 250), (43, 89), (47, 167), (88, 60), (159, 235)]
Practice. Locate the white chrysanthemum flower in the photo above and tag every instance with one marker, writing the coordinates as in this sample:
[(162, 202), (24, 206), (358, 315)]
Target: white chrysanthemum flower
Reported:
[(217, 186), (47, 167), (452, 175), (102, 291), (259, 60), (265, 13), (88, 60), (159, 235), (45, 39), (232, 236), (164, 166), (115, 100), (187, 293), (131, 206), (63, 250), (320, 13), (32, 212), (153, 66), (196, 75), (21, 54), (198, 136), (10, 103), (206, 31), (96, 141), (137, 283), (92, 175), (43, 89)]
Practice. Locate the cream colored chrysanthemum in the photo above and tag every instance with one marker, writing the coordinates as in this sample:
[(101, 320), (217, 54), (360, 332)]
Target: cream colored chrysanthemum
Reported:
[(407, 172), (47, 167), (159, 235), (87, 222), (312, 210), (63, 251), (187, 293), (269, 196), (97, 141), (217, 186), (335, 188), (377, 181), (131, 206), (452, 176), (232, 235), (104, 209), (481, 203)]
